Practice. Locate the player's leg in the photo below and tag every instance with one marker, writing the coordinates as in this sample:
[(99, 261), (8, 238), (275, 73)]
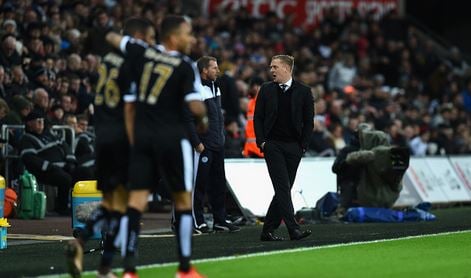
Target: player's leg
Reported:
[(118, 208), (129, 230), (118, 163), (142, 175), (95, 222), (178, 172)]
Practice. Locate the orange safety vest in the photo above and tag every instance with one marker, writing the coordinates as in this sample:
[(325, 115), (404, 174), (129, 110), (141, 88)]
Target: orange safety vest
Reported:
[(250, 147)]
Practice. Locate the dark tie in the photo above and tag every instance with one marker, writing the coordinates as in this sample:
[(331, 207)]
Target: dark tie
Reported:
[(283, 87)]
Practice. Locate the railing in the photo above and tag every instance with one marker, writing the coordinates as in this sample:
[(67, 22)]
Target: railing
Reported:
[(8, 152)]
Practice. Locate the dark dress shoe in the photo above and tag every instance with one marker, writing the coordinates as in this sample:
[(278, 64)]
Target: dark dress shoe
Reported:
[(270, 237), (298, 234)]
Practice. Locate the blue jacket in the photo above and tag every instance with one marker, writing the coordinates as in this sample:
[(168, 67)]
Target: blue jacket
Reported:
[(213, 139)]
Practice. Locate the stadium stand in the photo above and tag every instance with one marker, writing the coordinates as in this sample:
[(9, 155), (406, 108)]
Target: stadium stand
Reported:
[(361, 67)]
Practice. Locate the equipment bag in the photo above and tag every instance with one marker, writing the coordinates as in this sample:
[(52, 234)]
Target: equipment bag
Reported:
[(327, 204), (31, 204), (39, 207)]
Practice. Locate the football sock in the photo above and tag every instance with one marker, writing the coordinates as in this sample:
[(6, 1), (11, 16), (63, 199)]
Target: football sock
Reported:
[(184, 230), (127, 238), (108, 243)]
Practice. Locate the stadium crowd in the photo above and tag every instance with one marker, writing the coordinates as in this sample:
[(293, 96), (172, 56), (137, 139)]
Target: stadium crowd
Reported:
[(360, 69)]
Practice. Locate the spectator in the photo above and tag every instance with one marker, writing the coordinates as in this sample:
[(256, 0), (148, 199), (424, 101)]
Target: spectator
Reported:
[(19, 83), (9, 57), (234, 142), (48, 159), (56, 115), (336, 131), (419, 144), (229, 95), (95, 42), (3, 92), (84, 144), (343, 73), (321, 143), (4, 110), (41, 100), (20, 108)]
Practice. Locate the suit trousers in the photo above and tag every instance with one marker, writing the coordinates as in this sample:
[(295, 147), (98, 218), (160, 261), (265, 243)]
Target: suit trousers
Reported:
[(210, 180), (282, 160)]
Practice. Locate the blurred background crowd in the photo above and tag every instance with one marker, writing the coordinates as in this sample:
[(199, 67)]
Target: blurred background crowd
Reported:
[(361, 69)]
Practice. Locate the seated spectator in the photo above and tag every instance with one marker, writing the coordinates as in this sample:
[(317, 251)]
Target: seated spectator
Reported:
[(49, 159), (84, 146)]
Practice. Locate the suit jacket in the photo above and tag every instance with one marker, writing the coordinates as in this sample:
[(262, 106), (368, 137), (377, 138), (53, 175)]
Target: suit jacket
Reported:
[(302, 111)]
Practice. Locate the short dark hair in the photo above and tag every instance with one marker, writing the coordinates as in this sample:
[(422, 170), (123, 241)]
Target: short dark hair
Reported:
[(203, 62), (136, 25), (170, 24), (285, 59)]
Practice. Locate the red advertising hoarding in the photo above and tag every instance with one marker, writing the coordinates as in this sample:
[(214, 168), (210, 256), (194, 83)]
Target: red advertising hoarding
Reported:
[(307, 12)]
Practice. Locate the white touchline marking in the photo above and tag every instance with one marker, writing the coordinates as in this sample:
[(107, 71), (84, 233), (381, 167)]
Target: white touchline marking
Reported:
[(287, 251), (302, 249)]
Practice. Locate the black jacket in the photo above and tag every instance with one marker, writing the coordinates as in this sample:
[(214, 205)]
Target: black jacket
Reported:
[(213, 139), (302, 107), (84, 149), (40, 152)]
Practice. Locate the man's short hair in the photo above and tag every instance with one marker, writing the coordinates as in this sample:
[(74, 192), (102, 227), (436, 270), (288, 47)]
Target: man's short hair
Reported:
[(136, 25), (170, 24), (203, 62), (286, 59)]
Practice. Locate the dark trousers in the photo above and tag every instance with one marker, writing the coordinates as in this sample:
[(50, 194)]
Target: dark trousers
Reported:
[(64, 181), (210, 179), (282, 161), (59, 178), (348, 192)]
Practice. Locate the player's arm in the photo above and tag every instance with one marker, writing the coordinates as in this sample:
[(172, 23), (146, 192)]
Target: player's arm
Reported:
[(130, 111), (198, 109), (194, 99), (126, 44), (129, 116), (114, 39)]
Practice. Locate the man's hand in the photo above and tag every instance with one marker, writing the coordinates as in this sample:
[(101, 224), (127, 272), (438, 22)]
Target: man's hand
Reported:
[(114, 39), (202, 125), (262, 146), (199, 148)]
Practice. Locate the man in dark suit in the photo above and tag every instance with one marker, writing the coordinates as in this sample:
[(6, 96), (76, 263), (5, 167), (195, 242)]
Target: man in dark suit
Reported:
[(283, 125)]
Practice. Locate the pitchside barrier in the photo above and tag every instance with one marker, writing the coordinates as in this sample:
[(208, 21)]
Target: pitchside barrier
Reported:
[(438, 180)]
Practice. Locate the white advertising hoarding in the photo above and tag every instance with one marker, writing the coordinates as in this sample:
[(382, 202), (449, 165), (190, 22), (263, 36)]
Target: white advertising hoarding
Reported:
[(421, 176), (462, 166), (251, 184), (447, 179)]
